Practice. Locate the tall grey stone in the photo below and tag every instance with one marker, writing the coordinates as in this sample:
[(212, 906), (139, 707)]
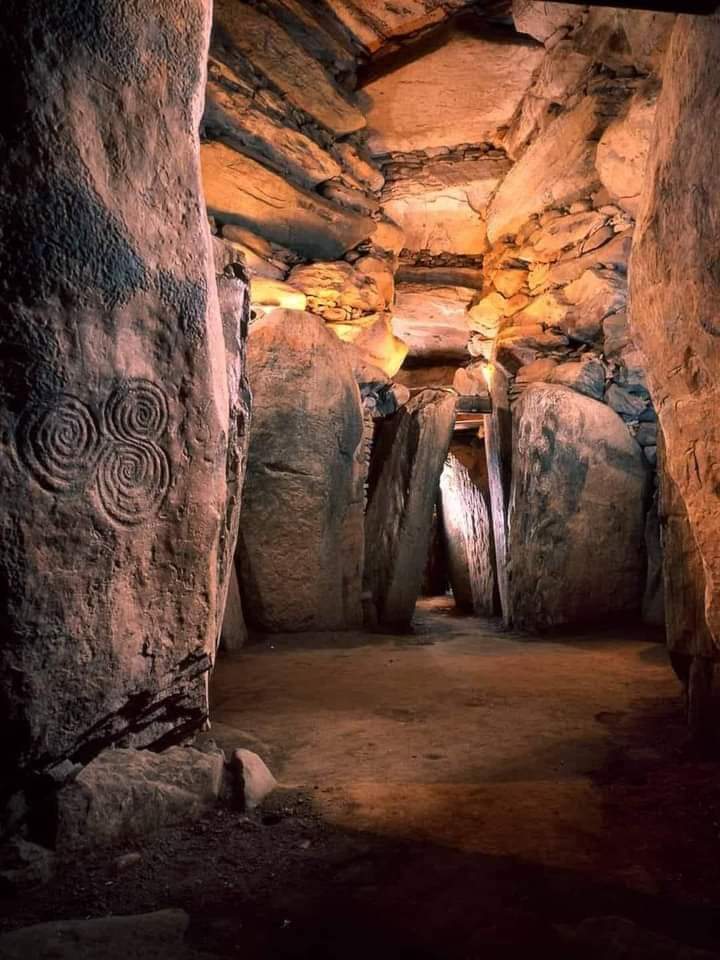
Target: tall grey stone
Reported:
[(577, 511), (408, 456), (301, 531), (113, 396)]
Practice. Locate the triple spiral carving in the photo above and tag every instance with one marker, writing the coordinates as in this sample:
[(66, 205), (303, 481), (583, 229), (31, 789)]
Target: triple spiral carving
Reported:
[(68, 448)]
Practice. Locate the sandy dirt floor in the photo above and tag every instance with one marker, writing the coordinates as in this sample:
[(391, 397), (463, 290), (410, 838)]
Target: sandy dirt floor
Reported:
[(457, 792)]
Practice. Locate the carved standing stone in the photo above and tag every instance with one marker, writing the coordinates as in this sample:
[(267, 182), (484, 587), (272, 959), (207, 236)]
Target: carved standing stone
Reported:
[(113, 392), (408, 456)]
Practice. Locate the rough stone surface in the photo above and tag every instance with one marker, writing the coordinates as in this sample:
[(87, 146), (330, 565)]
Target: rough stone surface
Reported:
[(114, 405), (149, 936), (406, 113), (558, 168), (374, 340), (616, 938), (231, 114), (301, 535), (675, 288), (623, 152), (441, 206), (578, 480), (296, 74), (329, 286), (241, 191), (626, 38), (23, 866), (686, 629), (541, 20), (433, 321), (587, 378), (407, 460), (560, 76), (465, 511), (123, 794)]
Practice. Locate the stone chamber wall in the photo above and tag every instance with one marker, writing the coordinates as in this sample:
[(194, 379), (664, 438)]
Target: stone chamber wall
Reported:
[(406, 245), (442, 231)]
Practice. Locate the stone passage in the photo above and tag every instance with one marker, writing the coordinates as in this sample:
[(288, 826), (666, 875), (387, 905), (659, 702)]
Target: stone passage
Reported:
[(408, 458)]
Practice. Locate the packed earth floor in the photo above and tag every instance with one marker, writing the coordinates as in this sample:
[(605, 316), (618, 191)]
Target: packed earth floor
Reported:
[(456, 792)]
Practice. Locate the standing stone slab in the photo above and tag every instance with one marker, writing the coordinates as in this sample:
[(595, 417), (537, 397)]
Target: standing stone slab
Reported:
[(675, 283), (408, 456), (233, 295), (465, 500), (301, 531), (577, 511), (114, 400)]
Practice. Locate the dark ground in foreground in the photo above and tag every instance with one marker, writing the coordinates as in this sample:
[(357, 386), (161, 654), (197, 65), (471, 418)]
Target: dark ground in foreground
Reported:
[(469, 804)]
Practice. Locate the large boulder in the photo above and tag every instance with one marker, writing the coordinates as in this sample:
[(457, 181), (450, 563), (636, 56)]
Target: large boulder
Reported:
[(407, 113), (127, 794), (407, 459), (675, 285), (114, 405), (578, 491), (301, 532)]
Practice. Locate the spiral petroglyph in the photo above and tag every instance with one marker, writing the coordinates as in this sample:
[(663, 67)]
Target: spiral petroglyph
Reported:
[(137, 410), (132, 480), (68, 449), (59, 443)]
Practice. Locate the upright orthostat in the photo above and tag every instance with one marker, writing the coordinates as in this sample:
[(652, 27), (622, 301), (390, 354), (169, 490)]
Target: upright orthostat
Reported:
[(113, 390)]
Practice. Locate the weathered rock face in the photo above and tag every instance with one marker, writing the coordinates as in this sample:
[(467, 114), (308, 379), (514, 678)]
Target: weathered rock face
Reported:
[(465, 509), (301, 533), (126, 794), (405, 113), (373, 22), (433, 321), (683, 580), (408, 456), (441, 203), (675, 288), (558, 168), (623, 151), (578, 489), (296, 74), (114, 407), (542, 20), (240, 190)]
